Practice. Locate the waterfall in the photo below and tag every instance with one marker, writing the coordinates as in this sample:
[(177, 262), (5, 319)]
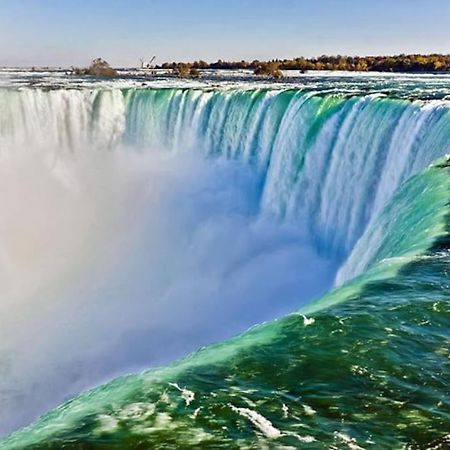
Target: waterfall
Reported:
[(142, 224), (330, 161)]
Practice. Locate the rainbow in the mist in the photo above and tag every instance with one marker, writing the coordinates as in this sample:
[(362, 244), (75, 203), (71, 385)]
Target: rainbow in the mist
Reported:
[(141, 224)]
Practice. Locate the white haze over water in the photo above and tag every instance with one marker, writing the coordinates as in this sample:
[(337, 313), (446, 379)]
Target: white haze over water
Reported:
[(112, 261)]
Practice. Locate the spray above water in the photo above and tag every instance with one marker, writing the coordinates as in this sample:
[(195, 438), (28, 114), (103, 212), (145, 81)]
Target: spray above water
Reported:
[(125, 260)]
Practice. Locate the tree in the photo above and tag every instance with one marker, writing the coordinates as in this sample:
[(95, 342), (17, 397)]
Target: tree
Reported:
[(98, 68), (183, 70), (270, 69)]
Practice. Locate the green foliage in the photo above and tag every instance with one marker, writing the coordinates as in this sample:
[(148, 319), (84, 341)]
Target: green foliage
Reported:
[(98, 68)]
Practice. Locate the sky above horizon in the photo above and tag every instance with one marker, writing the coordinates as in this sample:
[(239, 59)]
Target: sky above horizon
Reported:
[(73, 32)]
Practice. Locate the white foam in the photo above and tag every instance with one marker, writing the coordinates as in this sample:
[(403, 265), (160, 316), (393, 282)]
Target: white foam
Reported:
[(107, 424), (187, 395), (308, 410), (260, 422), (351, 443), (308, 320)]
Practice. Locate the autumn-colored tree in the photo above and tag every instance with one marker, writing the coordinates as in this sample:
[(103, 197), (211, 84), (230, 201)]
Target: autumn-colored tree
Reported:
[(98, 68), (269, 69)]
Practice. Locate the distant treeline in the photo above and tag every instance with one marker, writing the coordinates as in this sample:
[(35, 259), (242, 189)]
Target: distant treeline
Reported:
[(398, 63)]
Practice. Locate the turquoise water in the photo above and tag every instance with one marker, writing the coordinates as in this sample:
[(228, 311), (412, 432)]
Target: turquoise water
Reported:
[(364, 366)]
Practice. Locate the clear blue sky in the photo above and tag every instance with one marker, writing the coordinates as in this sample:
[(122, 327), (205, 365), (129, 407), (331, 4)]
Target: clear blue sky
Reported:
[(66, 32)]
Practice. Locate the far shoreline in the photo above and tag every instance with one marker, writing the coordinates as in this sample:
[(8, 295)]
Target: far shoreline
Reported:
[(403, 63)]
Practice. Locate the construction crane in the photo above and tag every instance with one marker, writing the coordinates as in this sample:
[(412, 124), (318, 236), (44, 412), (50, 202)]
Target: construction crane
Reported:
[(148, 65)]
